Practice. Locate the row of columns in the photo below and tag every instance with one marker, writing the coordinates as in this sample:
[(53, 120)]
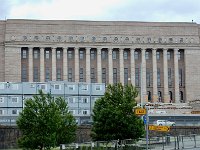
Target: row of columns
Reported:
[(110, 69)]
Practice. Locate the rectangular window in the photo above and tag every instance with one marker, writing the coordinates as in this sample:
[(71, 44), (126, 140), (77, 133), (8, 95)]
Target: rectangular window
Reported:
[(168, 55), (57, 87), (81, 78), (92, 54), (93, 79), (98, 87), (180, 77), (158, 77), (157, 55), (35, 74), (125, 55), (47, 55), (1, 99), (114, 75), (1, 112), (35, 54), (58, 54), (114, 54), (71, 100), (14, 99), (125, 76), (58, 74), (14, 111), (24, 74), (85, 100), (137, 77), (179, 55), (70, 54), (81, 54), (147, 55), (169, 76), (71, 87), (70, 74), (47, 74), (103, 54), (43, 86), (148, 76), (24, 54), (85, 112), (104, 75), (136, 55)]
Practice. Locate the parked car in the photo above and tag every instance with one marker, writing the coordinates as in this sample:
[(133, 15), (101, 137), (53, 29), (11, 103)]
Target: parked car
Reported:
[(164, 123)]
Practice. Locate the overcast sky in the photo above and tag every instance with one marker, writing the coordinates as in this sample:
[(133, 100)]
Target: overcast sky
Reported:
[(102, 10)]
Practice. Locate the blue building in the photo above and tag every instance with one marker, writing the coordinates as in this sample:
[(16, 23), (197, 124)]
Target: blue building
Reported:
[(80, 97)]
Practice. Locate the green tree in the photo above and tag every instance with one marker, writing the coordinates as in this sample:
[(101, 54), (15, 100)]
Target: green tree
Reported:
[(113, 115), (45, 122)]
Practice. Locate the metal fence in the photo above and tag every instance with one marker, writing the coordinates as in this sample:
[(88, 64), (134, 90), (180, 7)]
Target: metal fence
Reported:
[(166, 142)]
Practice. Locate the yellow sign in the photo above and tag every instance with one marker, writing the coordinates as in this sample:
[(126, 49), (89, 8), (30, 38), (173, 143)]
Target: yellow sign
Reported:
[(152, 127), (159, 128), (140, 111), (163, 128)]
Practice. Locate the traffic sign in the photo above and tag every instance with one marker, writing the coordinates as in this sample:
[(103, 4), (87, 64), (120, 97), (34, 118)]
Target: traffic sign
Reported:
[(152, 127), (140, 111), (163, 128), (159, 128)]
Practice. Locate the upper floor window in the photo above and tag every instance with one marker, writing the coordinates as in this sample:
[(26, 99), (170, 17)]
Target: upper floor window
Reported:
[(179, 55), (14, 99), (125, 55), (103, 54), (24, 53), (157, 55), (47, 54), (70, 54), (168, 55), (147, 55), (58, 54), (92, 54), (136, 54), (35, 54), (81, 54), (1, 99), (114, 54)]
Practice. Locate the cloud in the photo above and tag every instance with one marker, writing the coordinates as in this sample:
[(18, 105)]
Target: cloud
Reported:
[(117, 10)]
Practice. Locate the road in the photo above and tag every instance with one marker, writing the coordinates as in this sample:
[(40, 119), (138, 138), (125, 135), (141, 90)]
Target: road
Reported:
[(180, 120)]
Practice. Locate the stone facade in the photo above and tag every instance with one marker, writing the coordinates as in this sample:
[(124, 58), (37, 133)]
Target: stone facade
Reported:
[(160, 59)]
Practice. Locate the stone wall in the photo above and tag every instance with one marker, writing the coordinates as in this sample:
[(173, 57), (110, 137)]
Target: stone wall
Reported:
[(2, 57)]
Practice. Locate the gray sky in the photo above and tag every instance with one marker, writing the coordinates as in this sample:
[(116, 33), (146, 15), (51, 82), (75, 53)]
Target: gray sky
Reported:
[(100, 10)]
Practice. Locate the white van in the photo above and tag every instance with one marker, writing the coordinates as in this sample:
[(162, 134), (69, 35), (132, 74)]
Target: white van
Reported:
[(164, 123)]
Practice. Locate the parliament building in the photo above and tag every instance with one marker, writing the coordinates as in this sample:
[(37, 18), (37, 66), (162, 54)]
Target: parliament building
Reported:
[(161, 59)]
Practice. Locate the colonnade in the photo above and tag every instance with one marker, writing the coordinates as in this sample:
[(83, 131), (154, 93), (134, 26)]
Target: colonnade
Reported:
[(110, 68)]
